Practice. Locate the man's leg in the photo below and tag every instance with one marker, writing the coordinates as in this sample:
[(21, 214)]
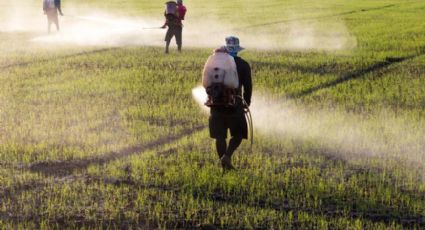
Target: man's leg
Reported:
[(168, 37), (220, 144), (49, 25), (233, 145), (53, 14), (167, 44), (178, 35), (57, 22), (226, 160), (239, 130), (218, 131), (57, 25)]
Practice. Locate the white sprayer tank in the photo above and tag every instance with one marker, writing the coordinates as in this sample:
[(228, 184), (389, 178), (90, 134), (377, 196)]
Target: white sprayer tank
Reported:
[(50, 4), (220, 68), (171, 7)]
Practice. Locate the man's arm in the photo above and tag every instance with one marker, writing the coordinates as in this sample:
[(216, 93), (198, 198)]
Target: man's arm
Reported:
[(247, 84), (166, 21), (165, 25)]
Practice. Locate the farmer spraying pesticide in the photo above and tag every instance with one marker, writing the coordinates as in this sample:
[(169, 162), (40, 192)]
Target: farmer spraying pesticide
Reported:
[(227, 80), (51, 8), (174, 14)]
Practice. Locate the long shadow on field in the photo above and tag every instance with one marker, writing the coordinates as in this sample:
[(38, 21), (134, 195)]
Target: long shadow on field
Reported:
[(332, 207), (346, 204), (357, 74), (63, 168), (23, 64), (318, 17)]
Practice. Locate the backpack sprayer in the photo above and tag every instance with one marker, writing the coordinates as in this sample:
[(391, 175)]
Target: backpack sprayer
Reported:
[(170, 9), (221, 81)]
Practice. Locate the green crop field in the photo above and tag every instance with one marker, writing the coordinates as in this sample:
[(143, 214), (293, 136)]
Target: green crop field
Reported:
[(99, 128)]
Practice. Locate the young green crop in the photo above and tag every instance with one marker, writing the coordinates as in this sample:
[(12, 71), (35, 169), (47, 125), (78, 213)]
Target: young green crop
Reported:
[(95, 137)]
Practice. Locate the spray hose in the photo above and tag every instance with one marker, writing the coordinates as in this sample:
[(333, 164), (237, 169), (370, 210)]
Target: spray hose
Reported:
[(248, 116), (152, 28)]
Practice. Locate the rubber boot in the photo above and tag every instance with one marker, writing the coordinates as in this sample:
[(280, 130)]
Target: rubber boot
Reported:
[(233, 145), (221, 146), (167, 45), (226, 163)]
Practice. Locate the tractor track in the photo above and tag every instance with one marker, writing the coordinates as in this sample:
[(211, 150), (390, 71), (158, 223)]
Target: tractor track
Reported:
[(381, 66)]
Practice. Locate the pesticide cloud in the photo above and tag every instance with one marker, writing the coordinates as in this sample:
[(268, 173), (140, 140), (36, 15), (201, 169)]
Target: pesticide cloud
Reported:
[(102, 29), (342, 133), (309, 36), (93, 27), (338, 133), (200, 97)]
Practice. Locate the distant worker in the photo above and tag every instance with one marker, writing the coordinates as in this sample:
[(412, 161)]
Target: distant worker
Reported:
[(227, 80), (51, 8), (174, 14)]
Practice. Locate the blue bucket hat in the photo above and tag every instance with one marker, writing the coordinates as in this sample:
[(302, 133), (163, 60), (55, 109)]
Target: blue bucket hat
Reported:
[(232, 44)]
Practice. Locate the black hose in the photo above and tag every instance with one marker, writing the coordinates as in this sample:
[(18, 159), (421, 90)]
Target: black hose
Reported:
[(248, 116)]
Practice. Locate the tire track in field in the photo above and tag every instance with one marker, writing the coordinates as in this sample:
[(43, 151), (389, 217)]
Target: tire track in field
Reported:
[(379, 66), (64, 168), (318, 17), (23, 64)]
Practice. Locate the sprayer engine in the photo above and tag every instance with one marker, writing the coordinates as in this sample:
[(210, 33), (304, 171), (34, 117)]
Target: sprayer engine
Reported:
[(220, 95)]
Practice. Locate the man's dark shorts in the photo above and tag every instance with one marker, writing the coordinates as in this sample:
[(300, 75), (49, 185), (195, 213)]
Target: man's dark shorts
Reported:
[(174, 31), (52, 15), (220, 123)]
